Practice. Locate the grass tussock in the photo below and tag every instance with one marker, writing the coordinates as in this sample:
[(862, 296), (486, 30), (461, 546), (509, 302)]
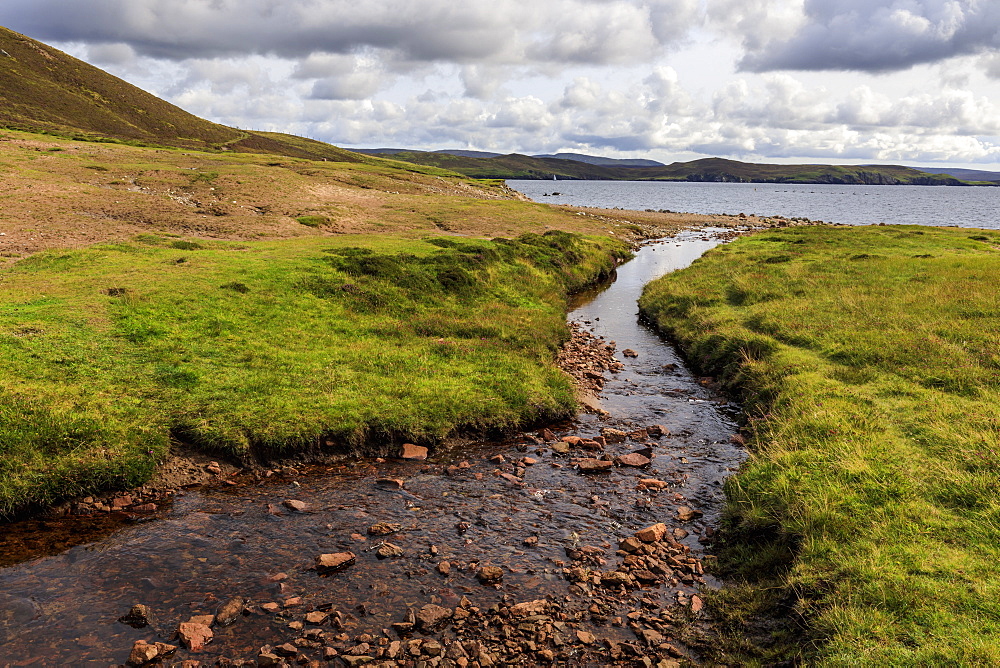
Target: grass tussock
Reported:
[(273, 347), (869, 361)]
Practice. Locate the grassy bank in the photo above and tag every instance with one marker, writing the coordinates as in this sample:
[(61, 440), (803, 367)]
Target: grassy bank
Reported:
[(870, 362), (264, 348)]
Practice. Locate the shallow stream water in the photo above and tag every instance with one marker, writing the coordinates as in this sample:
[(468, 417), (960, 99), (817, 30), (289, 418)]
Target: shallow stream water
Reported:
[(212, 544)]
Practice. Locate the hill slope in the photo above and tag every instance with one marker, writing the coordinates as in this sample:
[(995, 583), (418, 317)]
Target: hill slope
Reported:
[(45, 90)]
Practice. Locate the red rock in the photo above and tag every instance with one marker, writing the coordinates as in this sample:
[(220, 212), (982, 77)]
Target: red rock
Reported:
[(633, 459), (413, 452), (498, 459), (194, 636), (613, 435), (384, 528), (270, 607), (572, 440), (142, 653), (531, 541), (207, 620), (316, 618), (686, 513), (431, 616), (696, 604), (653, 483), (547, 435), (121, 502), (335, 562), (444, 568), (652, 534), (390, 483), (657, 430), (389, 551), (513, 479), (586, 637), (590, 444), (638, 435), (489, 574), (292, 602), (144, 508), (295, 505), (528, 461), (528, 608), (594, 465)]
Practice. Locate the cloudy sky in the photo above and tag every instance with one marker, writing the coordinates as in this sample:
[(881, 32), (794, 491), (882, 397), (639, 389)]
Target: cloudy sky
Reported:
[(902, 81)]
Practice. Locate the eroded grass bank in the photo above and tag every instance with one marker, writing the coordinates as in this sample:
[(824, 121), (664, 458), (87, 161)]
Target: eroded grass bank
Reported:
[(266, 348), (870, 362)]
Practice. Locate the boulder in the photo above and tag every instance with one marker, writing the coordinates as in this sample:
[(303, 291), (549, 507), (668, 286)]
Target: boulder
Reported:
[(652, 534), (194, 636)]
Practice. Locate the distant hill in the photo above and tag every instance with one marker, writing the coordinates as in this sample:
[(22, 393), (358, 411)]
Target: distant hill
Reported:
[(606, 162), (964, 174), (516, 166), (45, 90)]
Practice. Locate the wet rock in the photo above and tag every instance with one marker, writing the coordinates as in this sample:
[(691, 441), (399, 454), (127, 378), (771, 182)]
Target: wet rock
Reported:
[(388, 551), (686, 513), (288, 649), (351, 660), (292, 602), (144, 508), (528, 461), (489, 574), (335, 561), (390, 483), (632, 545), (633, 459), (586, 637), (384, 528), (295, 505), (657, 430), (512, 479), (652, 534), (528, 608), (268, 660), (142, 653), (628, 352), (138, 617), (594, 466), (444, 568), (230, 611), (652, 483), (317, 618), (560, 448), (432, 616), (413, 452), (612, 435), (194, 636), (213, 468), (547, 435), (571, 440), (531, 541), (270, 607)]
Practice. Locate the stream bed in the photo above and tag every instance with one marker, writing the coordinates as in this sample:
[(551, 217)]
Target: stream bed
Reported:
[(521, 505)]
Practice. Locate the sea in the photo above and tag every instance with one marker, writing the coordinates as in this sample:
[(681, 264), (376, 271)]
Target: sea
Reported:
[(959, 206)]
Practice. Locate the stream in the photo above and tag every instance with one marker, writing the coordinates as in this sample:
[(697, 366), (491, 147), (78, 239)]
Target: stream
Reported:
[(59, 603)]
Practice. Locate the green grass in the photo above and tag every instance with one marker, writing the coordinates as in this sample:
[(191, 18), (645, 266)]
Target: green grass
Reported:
[(869, 360), (266, 348)]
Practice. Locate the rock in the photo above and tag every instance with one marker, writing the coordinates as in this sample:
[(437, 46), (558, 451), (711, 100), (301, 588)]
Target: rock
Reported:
[(652, 534), (686, 513), (295, 505), (351, 661), (444, 568), (697, 604), (613, 435), (547, 435), (594, 465), (268, 660), (638, 435), (531, 541), (270, 607), (317, 618), (560, 448), (214, 468), (388, 551), (652, 483), (390, 483), (571, 440), (657, 430), (138, 617), (142, 653), (230, 611), (586, 637), (432, 648), (144, 508), (528, 608), (651, 637), (432, 616), (590, 444), (528, 461), (413, 452), (288, 649), (633, 459), (628, 352), (512, 479), (335, 562), (489, 574), (384, 528), (632, 545), (194, 636)]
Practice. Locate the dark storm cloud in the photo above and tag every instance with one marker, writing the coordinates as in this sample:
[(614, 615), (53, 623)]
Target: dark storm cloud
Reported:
[(474, 31), (879, 35)]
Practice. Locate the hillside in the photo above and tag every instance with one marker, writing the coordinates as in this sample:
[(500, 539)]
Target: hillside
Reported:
[(516, 166), (45, 90)]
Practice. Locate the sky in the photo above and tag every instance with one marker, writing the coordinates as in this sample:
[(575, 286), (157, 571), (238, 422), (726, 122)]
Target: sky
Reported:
[(912, 82)]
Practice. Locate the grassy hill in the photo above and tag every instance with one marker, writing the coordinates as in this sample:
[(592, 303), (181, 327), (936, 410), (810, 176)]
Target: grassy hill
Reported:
[(517, 166)]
